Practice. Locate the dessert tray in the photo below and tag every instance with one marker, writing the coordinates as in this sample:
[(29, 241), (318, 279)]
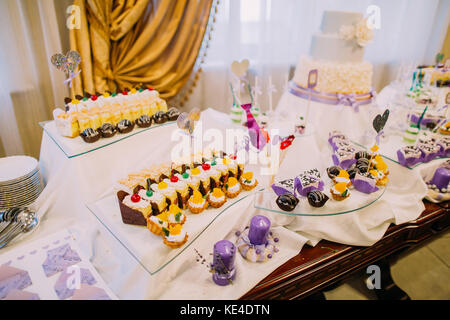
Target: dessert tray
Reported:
[(146, 247), (74, 147), (266, 200), (390, 146)]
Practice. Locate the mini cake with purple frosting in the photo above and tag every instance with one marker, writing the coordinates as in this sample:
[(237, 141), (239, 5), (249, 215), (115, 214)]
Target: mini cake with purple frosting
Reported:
[(365, 183), (223, 263), (308, 181), (409, 155), (344, 158), (256, 243), (335, 136), (283, 187)]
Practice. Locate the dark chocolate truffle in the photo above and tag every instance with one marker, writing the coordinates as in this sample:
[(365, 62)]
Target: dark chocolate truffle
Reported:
[(173, 114), (333, 171), (107, 130), (317, 198), (160, 117), (90, 135), (125, 126), (362, 155), (144, 121), (287, 202)]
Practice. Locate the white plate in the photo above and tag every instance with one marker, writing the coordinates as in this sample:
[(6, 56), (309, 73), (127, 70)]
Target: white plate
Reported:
[(16, 167)]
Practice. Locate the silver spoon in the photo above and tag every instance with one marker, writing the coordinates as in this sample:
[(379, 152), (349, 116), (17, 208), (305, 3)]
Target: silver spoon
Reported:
[(27, 221), (7, 219)]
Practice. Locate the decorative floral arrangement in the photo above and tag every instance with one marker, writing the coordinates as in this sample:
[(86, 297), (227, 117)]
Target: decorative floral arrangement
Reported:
[(360, 33)]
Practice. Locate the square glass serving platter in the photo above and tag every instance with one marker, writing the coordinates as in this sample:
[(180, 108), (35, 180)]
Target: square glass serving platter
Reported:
[(75, 147), (147, 248)]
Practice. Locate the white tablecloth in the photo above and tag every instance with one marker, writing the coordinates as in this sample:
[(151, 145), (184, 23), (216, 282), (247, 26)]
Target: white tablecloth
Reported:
[(73, 182)]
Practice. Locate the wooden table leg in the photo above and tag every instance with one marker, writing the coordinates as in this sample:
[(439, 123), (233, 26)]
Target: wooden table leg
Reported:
[(388, 289)]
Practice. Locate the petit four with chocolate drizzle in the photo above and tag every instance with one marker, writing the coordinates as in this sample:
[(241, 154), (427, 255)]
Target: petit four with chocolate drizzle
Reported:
[(125, 126), (107, 130), (144, 121), (90, 135), (160, 117)]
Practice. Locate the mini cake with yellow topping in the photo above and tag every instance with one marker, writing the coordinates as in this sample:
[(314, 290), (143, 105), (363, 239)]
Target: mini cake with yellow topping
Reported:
[(200, 177), (380, 177), (197, 203), (248, 181), (156, 224), (175, 236), (216, 198), (340, 191), (232, 188), (169, 192), (157, 200), (175, 216), (182, 189), (343, 176)]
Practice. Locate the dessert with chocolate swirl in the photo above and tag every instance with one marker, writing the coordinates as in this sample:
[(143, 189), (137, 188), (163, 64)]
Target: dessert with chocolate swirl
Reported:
[(125, 126), (144, 121), (160, 117), (90, 135), (107, 130), (173, 114)]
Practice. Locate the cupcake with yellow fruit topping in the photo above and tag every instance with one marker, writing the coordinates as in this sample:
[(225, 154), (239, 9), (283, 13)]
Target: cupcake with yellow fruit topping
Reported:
[(175, 216), (216, 198), (156, 224), (343, 176), (232, 188), (340, 191), (248, 181), (381, 178), (196, 202), (175, 236)]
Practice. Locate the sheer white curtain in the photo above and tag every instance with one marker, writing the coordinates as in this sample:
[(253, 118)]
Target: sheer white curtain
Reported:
[(30, 86), (272, 34)]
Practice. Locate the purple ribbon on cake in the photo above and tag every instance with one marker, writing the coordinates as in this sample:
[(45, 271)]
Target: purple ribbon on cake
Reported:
[(71, 77), (352, 99)]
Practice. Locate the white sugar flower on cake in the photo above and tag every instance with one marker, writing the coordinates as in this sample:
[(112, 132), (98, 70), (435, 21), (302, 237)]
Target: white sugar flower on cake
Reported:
[(359, 32)]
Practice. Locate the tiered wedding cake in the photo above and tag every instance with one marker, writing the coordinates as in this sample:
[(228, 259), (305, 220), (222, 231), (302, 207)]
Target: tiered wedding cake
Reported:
[(342, 97), (337, 53)]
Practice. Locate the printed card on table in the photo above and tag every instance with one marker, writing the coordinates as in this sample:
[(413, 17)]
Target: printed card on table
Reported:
[(52, 268)]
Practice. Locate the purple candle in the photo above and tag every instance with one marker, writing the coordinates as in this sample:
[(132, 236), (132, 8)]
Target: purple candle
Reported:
[(223, 262), (441, 178), (259, 230)]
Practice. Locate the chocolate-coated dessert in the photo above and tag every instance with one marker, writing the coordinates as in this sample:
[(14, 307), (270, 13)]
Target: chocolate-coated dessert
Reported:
[(144, 121), (362, 155), (317, 198), (287, 202), (90, 135), (333, 171), (173, 114), (107, 130), (160, 117), (125, 126)]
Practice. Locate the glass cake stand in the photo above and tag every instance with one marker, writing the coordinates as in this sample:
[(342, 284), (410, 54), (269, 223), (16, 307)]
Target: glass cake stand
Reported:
[(266, 200), (75, 147), (388, 150)]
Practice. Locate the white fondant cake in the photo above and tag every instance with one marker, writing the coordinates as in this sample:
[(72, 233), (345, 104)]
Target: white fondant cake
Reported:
[(337, 53)]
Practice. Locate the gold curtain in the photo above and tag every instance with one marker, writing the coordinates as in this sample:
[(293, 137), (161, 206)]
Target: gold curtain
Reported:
[(127, 42)]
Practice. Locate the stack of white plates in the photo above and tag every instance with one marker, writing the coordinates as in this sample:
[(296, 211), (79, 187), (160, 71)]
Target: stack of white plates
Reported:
[(20, 181)]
